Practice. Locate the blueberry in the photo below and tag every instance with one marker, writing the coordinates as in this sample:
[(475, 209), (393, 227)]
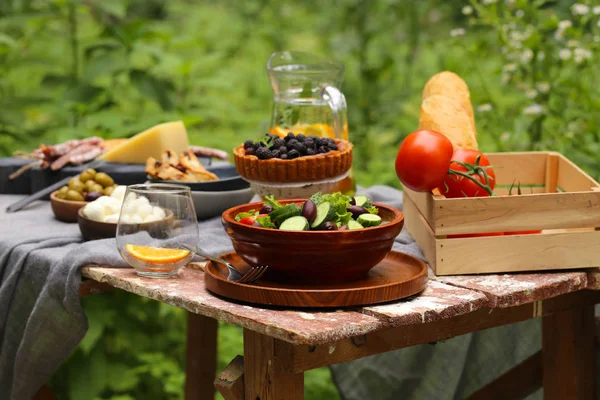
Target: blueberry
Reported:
[(278, 142), (309, 143), (248, 144), (250, 151), (284, 156), (332, 146), (292, 143), (290, 136), (301, 148), (275, 154), (293, 154), (282, 149), (323, 149), (300, 137), (263, 153), (310, 151)]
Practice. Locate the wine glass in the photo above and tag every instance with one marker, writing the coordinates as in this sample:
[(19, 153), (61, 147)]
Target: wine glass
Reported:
[(157, 232)]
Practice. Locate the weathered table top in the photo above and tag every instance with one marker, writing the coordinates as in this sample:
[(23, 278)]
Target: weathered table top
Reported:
[(444, 297)]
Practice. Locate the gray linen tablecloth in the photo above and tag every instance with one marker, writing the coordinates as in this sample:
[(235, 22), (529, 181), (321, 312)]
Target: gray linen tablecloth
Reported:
[(41, 319), (42, 322)]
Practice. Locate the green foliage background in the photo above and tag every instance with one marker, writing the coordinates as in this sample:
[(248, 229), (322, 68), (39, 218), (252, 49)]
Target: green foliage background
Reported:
[(115, 67)]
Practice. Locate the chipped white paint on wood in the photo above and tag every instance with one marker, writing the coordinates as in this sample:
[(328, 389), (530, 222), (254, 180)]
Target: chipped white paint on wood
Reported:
[(509, 290), (437, 301), (187, 291)]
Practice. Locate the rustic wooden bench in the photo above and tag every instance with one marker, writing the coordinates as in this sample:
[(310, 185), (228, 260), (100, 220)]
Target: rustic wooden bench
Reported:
[(279, 345)]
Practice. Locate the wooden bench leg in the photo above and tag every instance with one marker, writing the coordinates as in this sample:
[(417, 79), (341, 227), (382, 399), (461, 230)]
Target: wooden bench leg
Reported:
[(568, 354), (230, 382), (264, 378), (201, 357)]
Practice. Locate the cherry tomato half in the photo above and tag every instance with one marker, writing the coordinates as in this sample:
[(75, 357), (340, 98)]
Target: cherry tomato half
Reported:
[(455, 186), (247, 220), (423, 159)]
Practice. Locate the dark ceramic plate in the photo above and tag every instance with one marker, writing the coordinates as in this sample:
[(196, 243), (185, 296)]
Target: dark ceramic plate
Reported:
[(229, 179)]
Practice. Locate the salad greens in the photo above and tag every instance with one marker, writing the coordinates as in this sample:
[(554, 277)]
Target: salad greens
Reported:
[(334, 211)]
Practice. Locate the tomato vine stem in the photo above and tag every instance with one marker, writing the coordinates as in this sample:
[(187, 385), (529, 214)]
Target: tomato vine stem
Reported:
[(473, 169)]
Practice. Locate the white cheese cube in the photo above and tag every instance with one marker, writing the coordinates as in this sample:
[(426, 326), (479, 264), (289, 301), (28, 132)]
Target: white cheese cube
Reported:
[(111, 219), (119, 192), (158, 212)]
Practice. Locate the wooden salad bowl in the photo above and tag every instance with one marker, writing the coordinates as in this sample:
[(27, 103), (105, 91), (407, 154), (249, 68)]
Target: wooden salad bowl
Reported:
[(313, 256)]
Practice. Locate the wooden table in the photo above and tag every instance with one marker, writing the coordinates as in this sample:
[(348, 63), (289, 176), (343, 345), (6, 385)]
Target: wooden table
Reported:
[(279, 345)]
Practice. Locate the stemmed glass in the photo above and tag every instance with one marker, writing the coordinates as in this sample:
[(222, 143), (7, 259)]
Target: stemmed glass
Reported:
[(157, 232)]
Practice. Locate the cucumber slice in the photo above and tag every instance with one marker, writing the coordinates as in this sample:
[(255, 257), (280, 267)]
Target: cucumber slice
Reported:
[(297, 223), (363, 201), (325, 212), (352, 224), (367, 220), (283, 213)]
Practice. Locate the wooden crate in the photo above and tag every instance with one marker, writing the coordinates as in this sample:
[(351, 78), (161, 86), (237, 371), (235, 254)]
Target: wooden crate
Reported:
[(557, 198)]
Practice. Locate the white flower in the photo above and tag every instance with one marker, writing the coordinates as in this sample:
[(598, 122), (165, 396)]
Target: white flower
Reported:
[(564, 24), (564, 54), (519, 13), (580, 9), (467, 10), (541, 56), (534, 109), (517, 36), (558, 35), (510, 2), (504, 136), (543, 87), (488, 2), (596, 10), (598, 23), (581, 55), (509, 68), (526, 55), (484, 107), (457, 32), (572, 43), (531, 93)]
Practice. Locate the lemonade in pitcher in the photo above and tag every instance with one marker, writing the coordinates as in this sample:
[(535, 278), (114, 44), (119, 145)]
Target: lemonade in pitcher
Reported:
[(307, 100)]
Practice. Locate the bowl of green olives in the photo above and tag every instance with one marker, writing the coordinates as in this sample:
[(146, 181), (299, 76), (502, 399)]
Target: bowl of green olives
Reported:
[(81, 189)]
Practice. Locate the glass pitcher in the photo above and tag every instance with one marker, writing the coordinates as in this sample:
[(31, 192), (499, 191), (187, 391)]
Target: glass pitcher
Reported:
[(307, 99)]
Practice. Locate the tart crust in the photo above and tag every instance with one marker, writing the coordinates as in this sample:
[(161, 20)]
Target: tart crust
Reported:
[(301, 169)]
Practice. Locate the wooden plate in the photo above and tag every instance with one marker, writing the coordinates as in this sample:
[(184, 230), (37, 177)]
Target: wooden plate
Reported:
[(397, 276)]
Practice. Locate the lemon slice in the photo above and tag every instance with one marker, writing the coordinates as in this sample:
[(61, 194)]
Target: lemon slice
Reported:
[(156, 255)]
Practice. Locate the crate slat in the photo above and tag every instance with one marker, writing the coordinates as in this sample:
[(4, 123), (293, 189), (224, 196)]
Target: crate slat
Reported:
[(571, 178), (526, 168), (517, 253), (516, 213)]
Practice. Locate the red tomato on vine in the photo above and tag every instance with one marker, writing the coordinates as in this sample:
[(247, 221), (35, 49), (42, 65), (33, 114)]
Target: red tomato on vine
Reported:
[(422, 160), (469, 162)]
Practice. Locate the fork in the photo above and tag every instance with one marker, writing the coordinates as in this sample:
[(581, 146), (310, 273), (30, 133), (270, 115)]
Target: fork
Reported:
[(254, 274)]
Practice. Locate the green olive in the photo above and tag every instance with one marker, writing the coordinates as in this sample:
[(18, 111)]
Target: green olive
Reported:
[(96, 189), (85, 176), (90, 184), (91, 172), (76, 185), (108, 190), (74, 196), (63, 190), (104, 179)]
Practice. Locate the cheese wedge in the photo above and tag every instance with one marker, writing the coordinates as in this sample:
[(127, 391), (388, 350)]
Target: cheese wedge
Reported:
[(150, 143)]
